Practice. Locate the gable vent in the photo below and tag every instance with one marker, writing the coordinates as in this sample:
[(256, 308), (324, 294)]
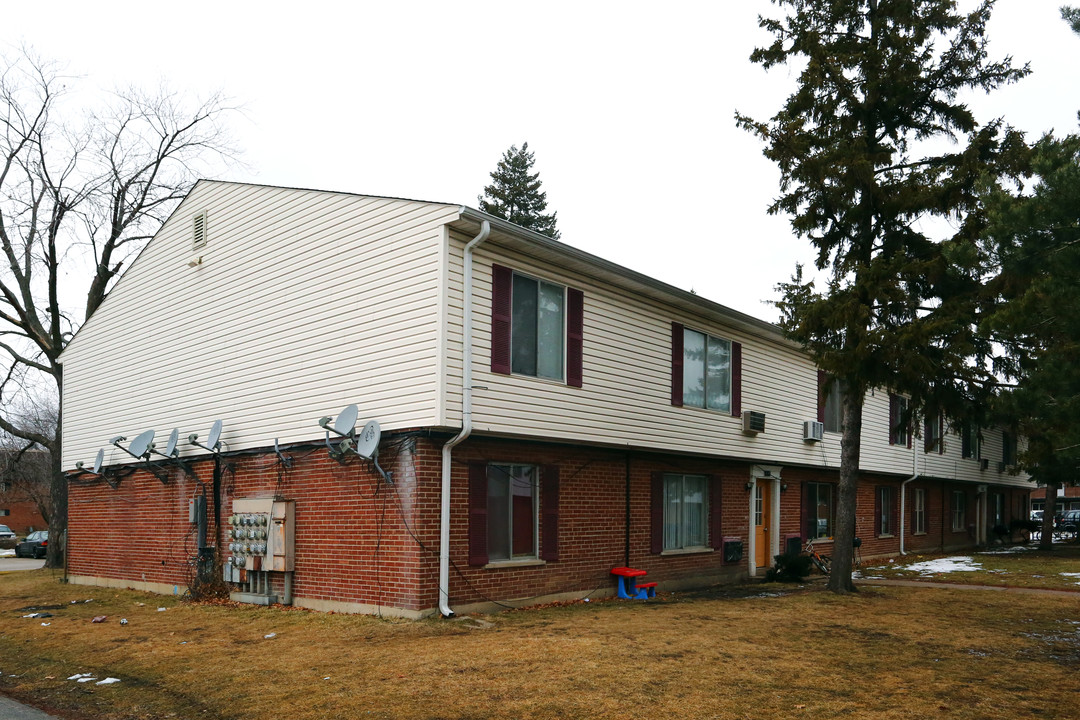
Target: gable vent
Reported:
[(198, 231)]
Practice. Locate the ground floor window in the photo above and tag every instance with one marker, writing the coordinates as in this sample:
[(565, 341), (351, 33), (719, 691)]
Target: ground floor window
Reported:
[(918, 511), (1038, 505), (886, 501), (512, 512), (999, 509), (686, 511), (959, 510), (820, 510)]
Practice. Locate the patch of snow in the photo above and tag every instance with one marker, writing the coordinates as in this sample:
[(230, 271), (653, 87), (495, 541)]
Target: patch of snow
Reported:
[(80, 675), (1006, 551), (107, 681), (86, 679), (1075, 575), (7, 553), (945, 565)]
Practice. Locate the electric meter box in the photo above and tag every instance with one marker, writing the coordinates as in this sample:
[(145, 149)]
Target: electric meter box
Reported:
[(259, 537)]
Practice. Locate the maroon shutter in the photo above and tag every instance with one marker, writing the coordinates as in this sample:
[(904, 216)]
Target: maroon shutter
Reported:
[(821, 396), (914, 507), (676, 363), (478, 547), (549, 512), (502, 279), (927, 439), (656, 513), (877, 510), (805, 513), (575, 333), (736, 379), (941, 434), (894, 422), (716, 540)]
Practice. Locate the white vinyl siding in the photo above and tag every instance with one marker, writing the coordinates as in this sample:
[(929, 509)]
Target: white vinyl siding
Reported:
[(305, 302)]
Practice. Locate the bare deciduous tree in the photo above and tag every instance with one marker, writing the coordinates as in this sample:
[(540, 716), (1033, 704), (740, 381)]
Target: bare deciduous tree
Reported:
[(81, 191)]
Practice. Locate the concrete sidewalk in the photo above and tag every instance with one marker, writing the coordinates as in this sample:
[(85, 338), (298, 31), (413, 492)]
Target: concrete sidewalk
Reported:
[(959, 586), (11, 710)]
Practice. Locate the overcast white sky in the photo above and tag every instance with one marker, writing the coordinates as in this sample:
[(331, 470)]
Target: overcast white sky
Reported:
[(628, 106)]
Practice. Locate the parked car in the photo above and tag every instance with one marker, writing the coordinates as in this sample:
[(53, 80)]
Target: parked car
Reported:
[(1037, 515), (1070, 522), (35, 545), (6, 533)]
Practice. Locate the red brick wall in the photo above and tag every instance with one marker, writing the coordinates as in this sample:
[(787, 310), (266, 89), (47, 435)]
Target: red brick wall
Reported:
[(360, 540), (21, 515)]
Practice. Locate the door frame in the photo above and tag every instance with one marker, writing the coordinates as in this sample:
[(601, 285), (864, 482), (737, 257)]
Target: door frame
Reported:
[(763, 474)]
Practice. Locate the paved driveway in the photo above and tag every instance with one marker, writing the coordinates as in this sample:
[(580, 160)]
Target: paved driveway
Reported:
[(12, 563)]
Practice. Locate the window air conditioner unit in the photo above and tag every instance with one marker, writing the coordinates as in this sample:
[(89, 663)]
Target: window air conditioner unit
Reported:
[(753, 422), (813, 431), (984, 464)]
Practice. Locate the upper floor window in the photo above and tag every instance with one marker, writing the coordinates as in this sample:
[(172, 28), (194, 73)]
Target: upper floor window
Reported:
[(706, 371), (537, 327), (899, 422), (1008, 448), (933, 433), (970, 444), (830, 402), (536, 335)]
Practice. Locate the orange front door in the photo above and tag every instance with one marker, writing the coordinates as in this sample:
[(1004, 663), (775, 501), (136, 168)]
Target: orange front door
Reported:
[(762, 522)]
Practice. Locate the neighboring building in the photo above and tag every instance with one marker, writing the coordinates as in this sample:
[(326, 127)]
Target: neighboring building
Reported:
[(1068, 498), (615, 420), (24, 489)]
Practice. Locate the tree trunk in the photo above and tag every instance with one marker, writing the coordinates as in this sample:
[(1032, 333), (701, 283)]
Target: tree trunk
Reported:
[(844, 537), (54, 558), (1046, 540)]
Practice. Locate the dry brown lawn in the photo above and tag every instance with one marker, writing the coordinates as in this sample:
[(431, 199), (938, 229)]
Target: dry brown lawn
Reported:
[(762, 651)]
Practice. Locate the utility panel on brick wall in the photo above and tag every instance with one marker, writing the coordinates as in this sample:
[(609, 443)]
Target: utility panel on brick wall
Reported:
[(260, 541)]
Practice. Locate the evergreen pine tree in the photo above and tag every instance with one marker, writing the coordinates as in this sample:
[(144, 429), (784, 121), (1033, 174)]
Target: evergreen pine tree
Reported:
[(878, 78), (515, 195)]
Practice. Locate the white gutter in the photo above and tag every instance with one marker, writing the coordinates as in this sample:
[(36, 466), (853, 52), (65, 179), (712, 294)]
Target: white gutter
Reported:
[(466, 422), (903, 486)]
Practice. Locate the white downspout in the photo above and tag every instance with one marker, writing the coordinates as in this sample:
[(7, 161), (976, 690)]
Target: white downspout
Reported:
[(466, 422), (903, 490)]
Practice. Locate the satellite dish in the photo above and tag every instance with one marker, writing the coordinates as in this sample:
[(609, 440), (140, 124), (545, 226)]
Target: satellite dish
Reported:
[(100, 458), (346, 421), (170, 447), (215, 435), (141, 445), (367, 444)]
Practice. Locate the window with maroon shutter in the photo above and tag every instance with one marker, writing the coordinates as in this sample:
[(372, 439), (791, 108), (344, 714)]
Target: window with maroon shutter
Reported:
[(704, 373), (537, 327), (549, 510), (681, 511), (899, 430)]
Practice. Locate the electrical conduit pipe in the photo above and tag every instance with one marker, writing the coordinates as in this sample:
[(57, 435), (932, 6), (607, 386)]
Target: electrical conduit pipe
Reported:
[(466, 422)]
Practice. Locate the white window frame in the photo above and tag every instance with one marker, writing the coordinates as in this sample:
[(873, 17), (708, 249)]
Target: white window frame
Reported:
[(830, 527), (701, 366), (680, 525), (507, 473), (516, 327), (834, 407), (885, 517), (918, 511), (959, 511)]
